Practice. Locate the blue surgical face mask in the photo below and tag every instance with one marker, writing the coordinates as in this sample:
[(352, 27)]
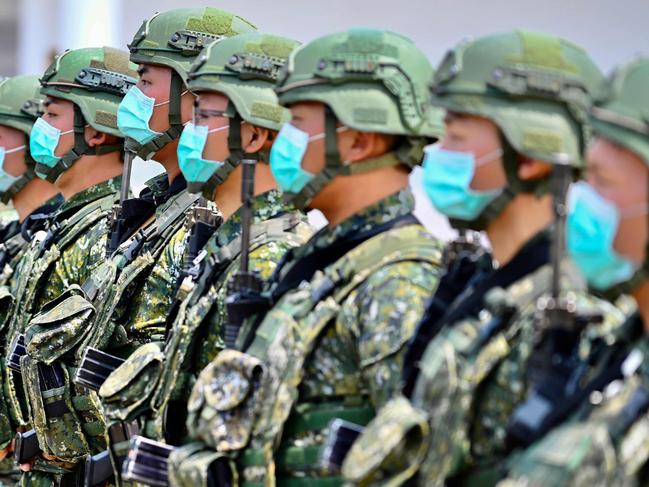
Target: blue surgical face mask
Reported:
[(591, 228), (134, 114), (190, 153), (286, 157), (447, 181), (6, 179), (43, 141)]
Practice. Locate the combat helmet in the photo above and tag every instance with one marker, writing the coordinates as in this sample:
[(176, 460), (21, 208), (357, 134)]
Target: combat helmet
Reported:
[(245, 69), (370, 80), (537, 88), (173, 39), (95, 80), (21, 103)]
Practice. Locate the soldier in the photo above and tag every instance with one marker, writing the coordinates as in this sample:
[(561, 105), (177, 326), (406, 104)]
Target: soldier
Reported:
[(152, 116), (20, 105), (346, 302), (114, 310), (34, 200), (517, 106), (607, 233), (76, 145), (236, 119)]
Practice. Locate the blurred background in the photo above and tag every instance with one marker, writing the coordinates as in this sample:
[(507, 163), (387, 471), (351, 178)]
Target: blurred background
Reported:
[(612, 31)]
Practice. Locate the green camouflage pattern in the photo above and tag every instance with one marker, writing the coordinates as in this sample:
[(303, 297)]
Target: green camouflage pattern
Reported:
[(193, 473), (63, 436), (399, 430), (593, 449), (141, 304), (77, 262), (150, 305), (325, 354), (44, 275), (207, 309), (40, 275), (471, 392)]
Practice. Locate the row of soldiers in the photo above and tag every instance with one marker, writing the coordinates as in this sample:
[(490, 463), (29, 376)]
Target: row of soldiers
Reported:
[(202, 333)]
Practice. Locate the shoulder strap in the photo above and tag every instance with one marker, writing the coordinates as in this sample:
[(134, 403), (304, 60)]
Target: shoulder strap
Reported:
[(398, 244), (64, 232), (306, 267), (167, 223), (406, 243)]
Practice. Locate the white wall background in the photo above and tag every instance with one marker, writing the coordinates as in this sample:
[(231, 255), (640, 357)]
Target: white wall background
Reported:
[(612, 31)]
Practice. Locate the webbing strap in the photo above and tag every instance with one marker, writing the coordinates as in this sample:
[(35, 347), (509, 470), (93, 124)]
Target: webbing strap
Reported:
[(319, 419)]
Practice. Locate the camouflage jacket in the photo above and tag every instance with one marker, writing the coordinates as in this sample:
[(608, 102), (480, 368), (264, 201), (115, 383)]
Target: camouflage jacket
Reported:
[(204, 306), (339, 357), (470, 383), (84, 317), (605, 442), (77, 261), (11, 252), (144, 307), (15, 237), (55, 260)]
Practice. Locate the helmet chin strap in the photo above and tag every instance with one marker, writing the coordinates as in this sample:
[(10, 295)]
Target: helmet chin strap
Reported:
[(334, 166), (26, 177), (80, 149), (237, 153), (515, 185), (147, 151)]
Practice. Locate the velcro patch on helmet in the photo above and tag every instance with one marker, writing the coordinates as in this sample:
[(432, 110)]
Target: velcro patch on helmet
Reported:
[(542, 140), (370, 41), (117, 61), (271, 46), (377, 116), (106, 118), (213, 21), (543, 51), (267, 111)]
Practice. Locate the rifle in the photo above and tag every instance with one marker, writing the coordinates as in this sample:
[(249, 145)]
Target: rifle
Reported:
[(555, 367), (147, 462), (118, 226), (244, 289), (95, 368), (97, 469)]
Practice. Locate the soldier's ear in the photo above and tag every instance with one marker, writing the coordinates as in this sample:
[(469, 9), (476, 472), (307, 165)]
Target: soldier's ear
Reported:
[(533, 169), (255, 138), (94, 137)]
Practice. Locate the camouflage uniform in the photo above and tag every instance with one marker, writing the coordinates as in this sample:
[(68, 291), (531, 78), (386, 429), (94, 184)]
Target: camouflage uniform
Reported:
[(605, 442), (61, 262), (154, 383), (20, 105), (331, 345), (456, 423)]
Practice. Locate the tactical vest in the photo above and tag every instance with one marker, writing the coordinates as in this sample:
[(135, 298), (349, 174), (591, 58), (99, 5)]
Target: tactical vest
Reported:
[(34, 270), (409, 422), (10, 252), (159, 373), (247, 401), (604, 443), (81, 318)]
